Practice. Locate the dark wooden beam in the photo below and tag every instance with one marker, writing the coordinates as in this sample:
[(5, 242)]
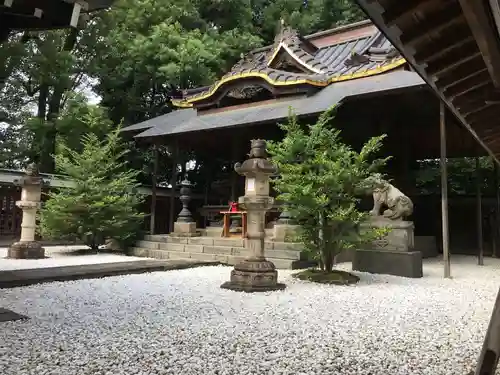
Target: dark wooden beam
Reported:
[(403, 9), (461, 72), (476, 109), (480, 79), (453, 59), (485, 115), (434, 23), (472, 97), (450, 39), (478, 17)]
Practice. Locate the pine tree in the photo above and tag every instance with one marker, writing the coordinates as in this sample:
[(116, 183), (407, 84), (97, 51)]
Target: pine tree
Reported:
[(101, 202), (320, 180)]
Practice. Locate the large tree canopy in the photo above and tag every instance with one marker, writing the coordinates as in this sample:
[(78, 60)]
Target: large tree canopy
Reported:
[(134, 56)]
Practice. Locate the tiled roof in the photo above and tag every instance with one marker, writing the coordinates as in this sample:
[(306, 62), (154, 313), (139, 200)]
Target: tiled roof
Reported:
[(170, 124), (359, 57)]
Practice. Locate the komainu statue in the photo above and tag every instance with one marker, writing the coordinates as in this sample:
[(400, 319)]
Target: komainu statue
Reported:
[(398, 206)]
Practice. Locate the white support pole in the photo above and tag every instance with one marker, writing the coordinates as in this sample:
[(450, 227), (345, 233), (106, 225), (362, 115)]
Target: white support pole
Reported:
[(444, 192), (479, 217), (75, 15)]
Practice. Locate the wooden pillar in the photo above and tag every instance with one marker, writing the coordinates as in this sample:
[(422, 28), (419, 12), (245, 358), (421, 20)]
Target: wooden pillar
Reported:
[(479, 217), (494, 230), (154, 178), (444, 191), (173, 182)]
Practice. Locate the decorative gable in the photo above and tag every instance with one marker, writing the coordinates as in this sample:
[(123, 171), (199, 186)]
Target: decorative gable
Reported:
[(294, 65)]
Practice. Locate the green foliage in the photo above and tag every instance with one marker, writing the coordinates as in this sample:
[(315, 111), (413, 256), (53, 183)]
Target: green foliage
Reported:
[(103, 201), (320, 179), (462, 176)]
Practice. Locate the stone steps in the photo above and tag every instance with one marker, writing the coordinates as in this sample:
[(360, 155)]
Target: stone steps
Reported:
[(225, 250), (228, 259)]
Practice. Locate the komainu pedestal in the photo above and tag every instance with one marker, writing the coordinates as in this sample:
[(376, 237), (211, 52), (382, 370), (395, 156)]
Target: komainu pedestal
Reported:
[(27, 247), (395, 253), (255, 274)]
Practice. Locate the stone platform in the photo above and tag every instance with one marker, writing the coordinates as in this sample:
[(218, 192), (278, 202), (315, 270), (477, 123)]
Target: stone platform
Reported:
[(24, 277), (230, 251), (397, 263)]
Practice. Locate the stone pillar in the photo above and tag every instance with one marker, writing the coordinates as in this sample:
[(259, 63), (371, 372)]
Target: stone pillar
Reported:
[(27, 247), (185, 225), (255, 274)]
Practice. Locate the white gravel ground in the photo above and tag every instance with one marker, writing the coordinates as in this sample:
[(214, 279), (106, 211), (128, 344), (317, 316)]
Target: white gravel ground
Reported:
[(181, 322), (57, 256)]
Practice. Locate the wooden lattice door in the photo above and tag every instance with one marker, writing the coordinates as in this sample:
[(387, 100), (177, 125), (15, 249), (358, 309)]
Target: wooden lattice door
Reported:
[(10, 215)]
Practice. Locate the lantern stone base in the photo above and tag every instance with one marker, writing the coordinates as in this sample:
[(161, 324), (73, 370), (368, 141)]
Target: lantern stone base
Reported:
[(254, 275), (26, 250), (185, 229)]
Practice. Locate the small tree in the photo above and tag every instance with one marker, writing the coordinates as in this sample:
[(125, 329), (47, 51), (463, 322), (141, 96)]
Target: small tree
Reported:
[(320, 180), (101, 202)]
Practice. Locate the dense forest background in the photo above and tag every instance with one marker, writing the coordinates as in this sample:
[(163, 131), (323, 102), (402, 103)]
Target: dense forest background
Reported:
[(122, 65)]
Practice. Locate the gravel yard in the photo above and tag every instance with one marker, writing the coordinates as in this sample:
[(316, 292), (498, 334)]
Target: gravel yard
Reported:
[(181, 322)]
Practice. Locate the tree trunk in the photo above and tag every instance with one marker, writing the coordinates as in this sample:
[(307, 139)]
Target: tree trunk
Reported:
[(47, 164)]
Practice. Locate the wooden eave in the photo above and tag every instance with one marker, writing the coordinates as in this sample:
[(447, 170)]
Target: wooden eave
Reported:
[(45, 14), (453, 45)]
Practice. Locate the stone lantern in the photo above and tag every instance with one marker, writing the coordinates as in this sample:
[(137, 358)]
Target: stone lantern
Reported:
[(185, 225), (31, 194), (255, 274)]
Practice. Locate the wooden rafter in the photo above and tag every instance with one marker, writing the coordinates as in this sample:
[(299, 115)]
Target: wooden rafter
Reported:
[(437, 22), (450, 40), (476, 109), (485, 114), (479, 20), (471, 83), (460, 73), (403, 9), (453, 59)]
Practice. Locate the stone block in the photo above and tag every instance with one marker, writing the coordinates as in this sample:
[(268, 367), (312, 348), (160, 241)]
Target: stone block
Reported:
[(193, 248), (174, 239), (221, 258), (26, 250), (344, 256), (268, 245), (172, 247), (139, 252), (178, 255), (184, 228), (400, 238), (156, 237), (241, 251), (213, 231), (288, 246), (283, 254), (232, 242), (148, 245), (284, 232), (427, 245), (224, 250), (200, 241), (397, 263), (158, 254), (232, 260), (202, 256)]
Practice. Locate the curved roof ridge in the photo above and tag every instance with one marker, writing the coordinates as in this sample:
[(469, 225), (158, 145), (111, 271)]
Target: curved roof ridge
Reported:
[(360, 57)]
